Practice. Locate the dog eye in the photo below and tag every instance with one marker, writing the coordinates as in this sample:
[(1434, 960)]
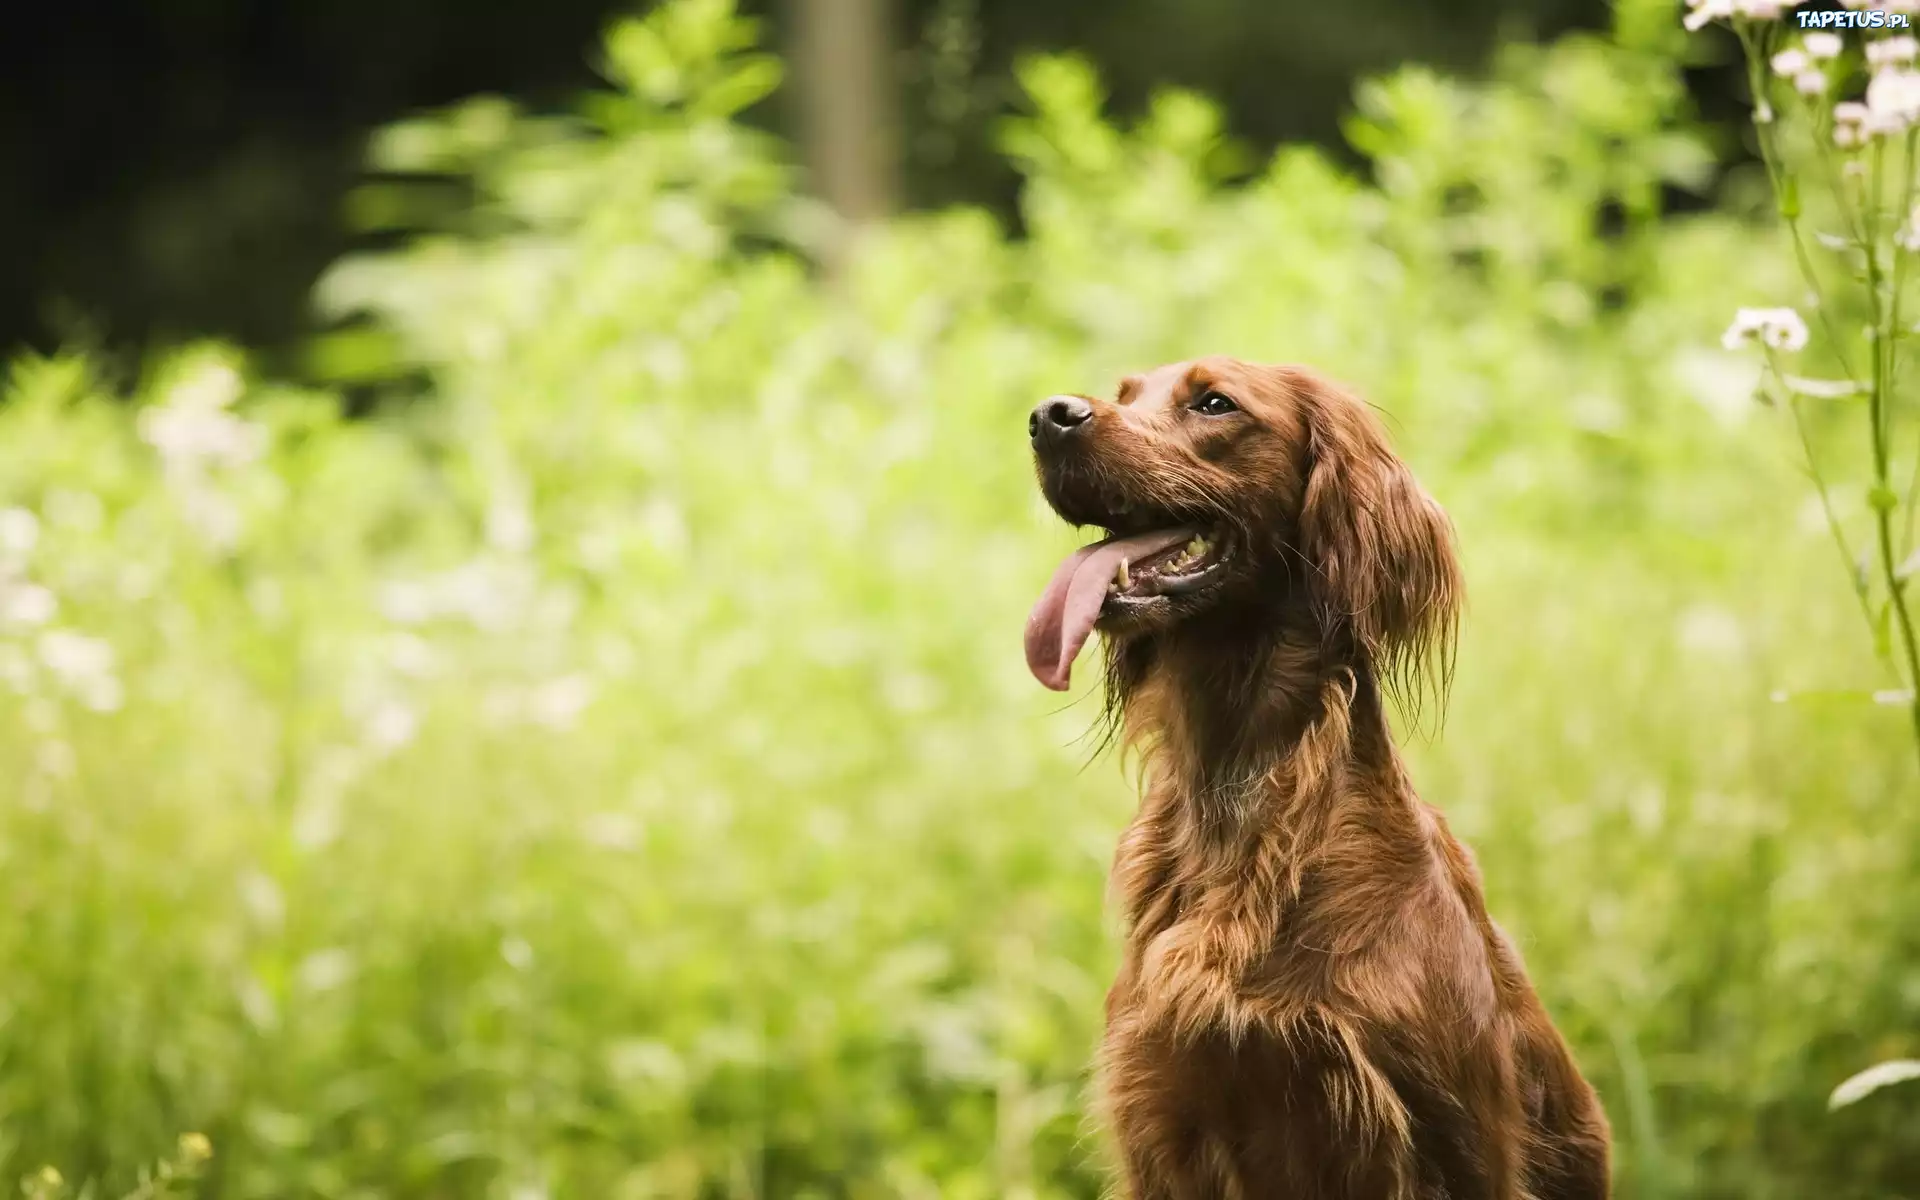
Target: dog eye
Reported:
[(1214, 404)]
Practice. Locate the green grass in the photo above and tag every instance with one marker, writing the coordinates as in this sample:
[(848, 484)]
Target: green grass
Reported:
[(615, 774)]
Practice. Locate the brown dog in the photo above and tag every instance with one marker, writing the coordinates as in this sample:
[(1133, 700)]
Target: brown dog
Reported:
[(1313, 1002)]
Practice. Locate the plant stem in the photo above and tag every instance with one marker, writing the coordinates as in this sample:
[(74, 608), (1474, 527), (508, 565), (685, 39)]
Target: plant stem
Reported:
[(1885, 310), (1866, 226), (1756, 47), (1821, 490)]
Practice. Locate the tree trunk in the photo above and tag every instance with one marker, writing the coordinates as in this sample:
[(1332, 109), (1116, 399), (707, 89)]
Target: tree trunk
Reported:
[(848, 120)]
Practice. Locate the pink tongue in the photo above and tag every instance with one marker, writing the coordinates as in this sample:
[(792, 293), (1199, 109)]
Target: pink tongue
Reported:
[(1063, 619)]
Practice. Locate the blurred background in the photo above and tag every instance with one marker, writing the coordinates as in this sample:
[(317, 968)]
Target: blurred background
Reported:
[(184, 173), (515, 524)]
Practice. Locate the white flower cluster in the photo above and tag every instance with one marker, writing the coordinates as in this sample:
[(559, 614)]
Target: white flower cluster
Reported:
[(1805, 64), (193, 432), (1701, 12), (1908, 235), (1822, 46), (1778, 328), (554, 704), (80, 665), (84, 666), (23, 602), (1892, 52), (1801, 67), (1892, 101), (194, 429), (489, 594)]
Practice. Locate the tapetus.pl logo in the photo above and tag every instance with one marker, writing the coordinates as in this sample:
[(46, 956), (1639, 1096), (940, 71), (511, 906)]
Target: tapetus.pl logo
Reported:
[(1859, 18)]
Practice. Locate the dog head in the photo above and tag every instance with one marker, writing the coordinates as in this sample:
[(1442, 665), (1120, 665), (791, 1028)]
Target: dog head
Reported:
[(1224, 485)]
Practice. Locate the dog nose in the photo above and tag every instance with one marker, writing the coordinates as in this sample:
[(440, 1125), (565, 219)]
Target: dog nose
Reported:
[(1057, 416)]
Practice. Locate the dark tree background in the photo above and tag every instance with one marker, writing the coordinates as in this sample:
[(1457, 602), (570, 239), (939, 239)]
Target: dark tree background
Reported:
[(178, 168)]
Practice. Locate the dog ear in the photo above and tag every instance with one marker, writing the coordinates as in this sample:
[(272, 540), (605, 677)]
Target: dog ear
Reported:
[(1379, 550)]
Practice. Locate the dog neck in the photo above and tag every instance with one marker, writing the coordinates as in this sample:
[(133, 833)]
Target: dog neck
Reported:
[(1246, 719)]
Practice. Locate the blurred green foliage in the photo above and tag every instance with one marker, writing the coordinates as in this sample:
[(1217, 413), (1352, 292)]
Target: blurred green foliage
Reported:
[(615, 774)]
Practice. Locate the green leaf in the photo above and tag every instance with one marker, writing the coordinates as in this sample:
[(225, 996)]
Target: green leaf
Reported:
[(748, 83), (1824, 389), (638, 59), (1871, 1080)]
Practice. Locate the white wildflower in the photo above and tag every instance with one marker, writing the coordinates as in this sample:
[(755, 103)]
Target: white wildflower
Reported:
[(665, 527), (1893, 100), (263, 899), (75, 656), (391, 725), (1909, 235), (1709, 631), (267, 598), (510, 525), (19, 531), (613, 830), (1895, 51), (1849, 125), (187, 438), (1823, 45), (1810, 83), (1723, 384), (26, 604), (316, 823), (516, 952), (489, 595), (319, 817), (558, 703), (256, 1003), (1791, 62), (411, 656), (406, 602), (192, 428), (1909, 7), (1700, 12), (325, 970), (104, 695), (83, 665), (1779, 328), (212, 385)]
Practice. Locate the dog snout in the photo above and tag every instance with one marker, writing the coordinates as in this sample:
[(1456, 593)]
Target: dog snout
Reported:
[(1057, 417)]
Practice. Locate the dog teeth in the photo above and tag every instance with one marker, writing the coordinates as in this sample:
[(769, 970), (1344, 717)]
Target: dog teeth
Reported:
[(1121, 577), (1196, 547)]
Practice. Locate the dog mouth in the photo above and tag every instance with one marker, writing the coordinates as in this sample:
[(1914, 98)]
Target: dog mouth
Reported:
[(1119, 576), (1177, 570)]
